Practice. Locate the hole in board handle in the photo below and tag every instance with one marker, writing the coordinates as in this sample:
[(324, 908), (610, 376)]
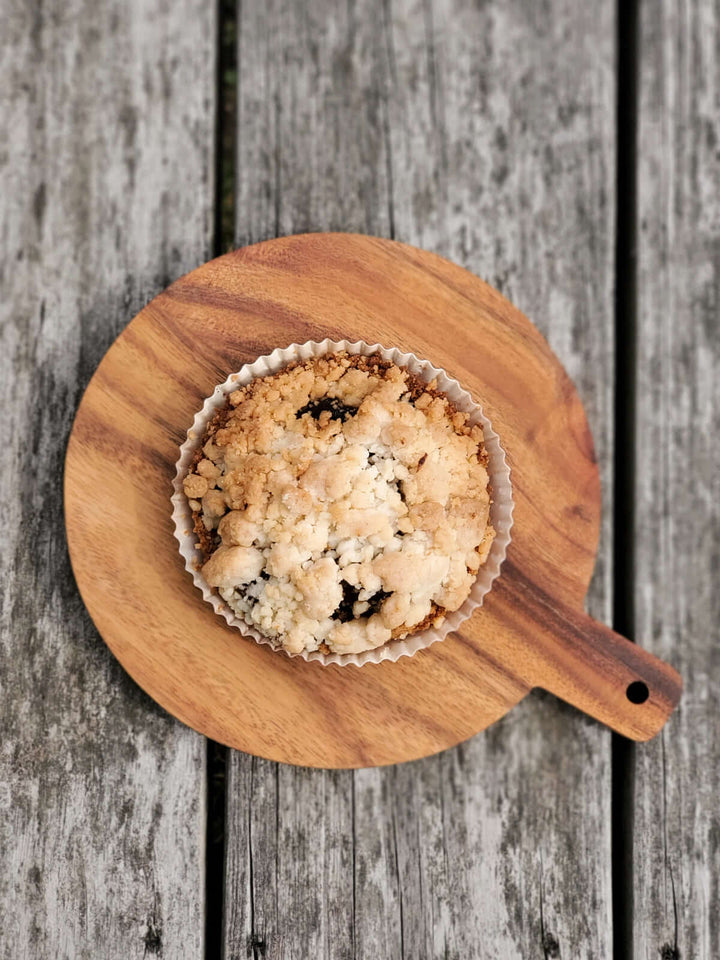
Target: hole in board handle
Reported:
[(637, 692)]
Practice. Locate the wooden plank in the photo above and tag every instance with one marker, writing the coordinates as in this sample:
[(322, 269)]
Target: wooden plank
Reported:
[(106, 186), (677, 810), (485, 132)]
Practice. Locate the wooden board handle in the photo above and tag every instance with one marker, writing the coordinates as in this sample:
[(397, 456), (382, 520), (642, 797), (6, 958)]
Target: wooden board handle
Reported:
[(605, 675)]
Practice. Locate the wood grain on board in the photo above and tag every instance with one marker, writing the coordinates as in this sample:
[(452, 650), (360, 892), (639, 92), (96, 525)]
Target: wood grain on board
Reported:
[(485, 132), (530, 631), (105, 196), (677, 779)]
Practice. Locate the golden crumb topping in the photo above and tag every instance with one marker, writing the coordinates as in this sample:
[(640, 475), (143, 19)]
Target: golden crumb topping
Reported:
[(340, 503)]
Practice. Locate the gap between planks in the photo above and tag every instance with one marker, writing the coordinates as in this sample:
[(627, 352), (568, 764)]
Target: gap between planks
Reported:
[(217, 754), (623, 751)]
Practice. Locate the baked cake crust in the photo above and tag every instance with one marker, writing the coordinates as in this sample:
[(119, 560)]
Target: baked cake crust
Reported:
[(340, 503)]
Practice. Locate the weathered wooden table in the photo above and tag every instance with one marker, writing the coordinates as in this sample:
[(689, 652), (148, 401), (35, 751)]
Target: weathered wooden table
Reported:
[(566, 152)]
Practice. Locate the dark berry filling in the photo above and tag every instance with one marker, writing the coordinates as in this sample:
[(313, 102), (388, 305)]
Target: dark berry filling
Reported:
[(376, 601), (344, 611), (336, 408)]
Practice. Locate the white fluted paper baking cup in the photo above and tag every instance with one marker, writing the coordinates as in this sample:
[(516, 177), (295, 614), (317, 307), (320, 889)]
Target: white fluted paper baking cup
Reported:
[(500, 510)]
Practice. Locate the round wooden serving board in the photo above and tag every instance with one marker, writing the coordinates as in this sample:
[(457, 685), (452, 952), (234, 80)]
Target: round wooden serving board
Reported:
[(531, 630)]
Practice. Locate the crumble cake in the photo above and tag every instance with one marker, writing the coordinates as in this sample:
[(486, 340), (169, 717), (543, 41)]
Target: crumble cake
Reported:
[(340, 503)]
